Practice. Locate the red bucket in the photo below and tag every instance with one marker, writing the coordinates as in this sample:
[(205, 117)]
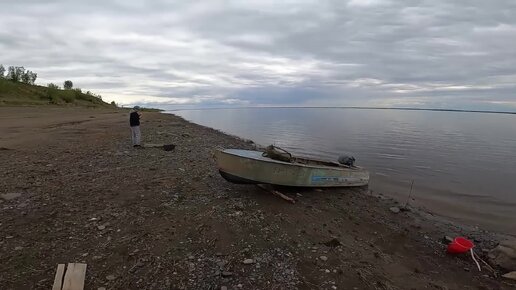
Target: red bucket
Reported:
[(460, 245)]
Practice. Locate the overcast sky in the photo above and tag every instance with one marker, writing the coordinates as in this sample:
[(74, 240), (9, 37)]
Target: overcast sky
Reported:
[(426, 53)]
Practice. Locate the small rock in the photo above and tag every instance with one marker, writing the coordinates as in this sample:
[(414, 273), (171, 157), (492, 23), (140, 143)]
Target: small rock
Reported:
[(240, 285), (248, 261), (96, 258), (9, 237), (101, 227), (327, 271), (85, 254), (323, 258), (18, 248), (191, 257), (223, 288), (10, 195), (111, 277), (227, 274), (395, 209), (511, 275), (504, 255), (101, 288), (447, 239)]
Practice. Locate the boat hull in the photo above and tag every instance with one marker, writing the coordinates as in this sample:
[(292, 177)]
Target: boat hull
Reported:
[(250, 167)]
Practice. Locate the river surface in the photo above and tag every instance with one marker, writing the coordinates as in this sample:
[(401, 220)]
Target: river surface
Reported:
[(463, 164)]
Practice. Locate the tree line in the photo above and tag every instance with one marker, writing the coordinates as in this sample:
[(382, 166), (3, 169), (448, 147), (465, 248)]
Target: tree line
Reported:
[(18, 74)]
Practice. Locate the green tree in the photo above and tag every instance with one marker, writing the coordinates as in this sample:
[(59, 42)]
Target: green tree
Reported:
[(68, 85), (25, 78), (33, 77), (53, 86), (2, 71), (15, 73)]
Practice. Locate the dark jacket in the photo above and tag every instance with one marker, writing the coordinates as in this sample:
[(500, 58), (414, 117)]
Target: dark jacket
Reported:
[(134, 119)]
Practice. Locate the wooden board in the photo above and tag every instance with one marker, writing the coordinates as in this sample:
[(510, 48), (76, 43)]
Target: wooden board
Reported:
[(74, 277), (58, 280)]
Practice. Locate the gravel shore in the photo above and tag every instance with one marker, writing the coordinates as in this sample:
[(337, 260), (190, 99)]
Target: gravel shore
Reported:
[(74, 190)]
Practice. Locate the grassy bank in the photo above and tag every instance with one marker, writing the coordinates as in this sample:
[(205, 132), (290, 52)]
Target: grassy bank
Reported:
[(20, 94)]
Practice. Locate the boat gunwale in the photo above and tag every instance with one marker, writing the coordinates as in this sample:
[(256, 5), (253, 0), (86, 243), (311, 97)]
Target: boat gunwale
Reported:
[(339, 168)]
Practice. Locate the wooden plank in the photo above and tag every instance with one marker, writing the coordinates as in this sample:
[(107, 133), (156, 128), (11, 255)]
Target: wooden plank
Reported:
[(58, 280), (74, 277)]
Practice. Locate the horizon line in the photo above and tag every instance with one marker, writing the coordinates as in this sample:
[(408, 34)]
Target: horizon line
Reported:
[(353, 107)]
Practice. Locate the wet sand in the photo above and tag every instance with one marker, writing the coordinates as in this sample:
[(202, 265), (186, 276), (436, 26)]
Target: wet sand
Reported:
[(166, 220)]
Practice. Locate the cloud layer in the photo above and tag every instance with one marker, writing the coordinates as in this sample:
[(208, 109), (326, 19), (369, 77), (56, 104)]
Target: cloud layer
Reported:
[(426, 53)]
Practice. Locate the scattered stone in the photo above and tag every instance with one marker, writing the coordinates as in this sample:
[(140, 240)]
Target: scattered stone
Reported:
[(9, 237), (223, 288), (446, 240), (395, 209), (101, 227), (191, 257), (504, 255), (511, 275), (18, 248), (96, 258), (10, 195), (323, 258), (101, 288), (248, 261), (227, 274), (327, 271), (85, 254), (111, 277)]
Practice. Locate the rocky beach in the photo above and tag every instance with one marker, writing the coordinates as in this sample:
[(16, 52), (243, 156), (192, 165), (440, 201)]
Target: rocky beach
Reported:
[(73, 189)]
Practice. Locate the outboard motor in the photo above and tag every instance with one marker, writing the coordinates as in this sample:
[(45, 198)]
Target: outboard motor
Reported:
[(347, 160)]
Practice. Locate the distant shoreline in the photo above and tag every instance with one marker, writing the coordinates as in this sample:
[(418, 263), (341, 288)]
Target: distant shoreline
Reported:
[(358, 108)]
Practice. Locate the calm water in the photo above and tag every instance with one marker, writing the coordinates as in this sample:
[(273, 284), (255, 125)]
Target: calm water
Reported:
[(463, 164)]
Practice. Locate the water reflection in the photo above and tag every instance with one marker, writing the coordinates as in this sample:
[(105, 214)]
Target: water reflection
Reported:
[(449, 153)]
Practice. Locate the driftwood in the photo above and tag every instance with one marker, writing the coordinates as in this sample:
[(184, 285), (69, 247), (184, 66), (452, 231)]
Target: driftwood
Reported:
[(166, 147), (276, 193)]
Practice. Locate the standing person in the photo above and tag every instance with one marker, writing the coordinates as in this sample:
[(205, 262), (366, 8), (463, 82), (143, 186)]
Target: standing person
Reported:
[(134, 122)]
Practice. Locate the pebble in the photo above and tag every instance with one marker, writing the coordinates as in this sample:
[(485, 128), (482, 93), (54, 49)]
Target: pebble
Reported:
[(394, 209), (101, 227), (511, 275), (327, 271), (223, 288), (18, 248), (248, 261), (323, 258), (447, 239), (110, 277), (227, 274)]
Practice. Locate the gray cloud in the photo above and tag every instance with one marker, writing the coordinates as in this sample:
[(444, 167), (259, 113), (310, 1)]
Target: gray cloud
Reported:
[(426, 53)]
